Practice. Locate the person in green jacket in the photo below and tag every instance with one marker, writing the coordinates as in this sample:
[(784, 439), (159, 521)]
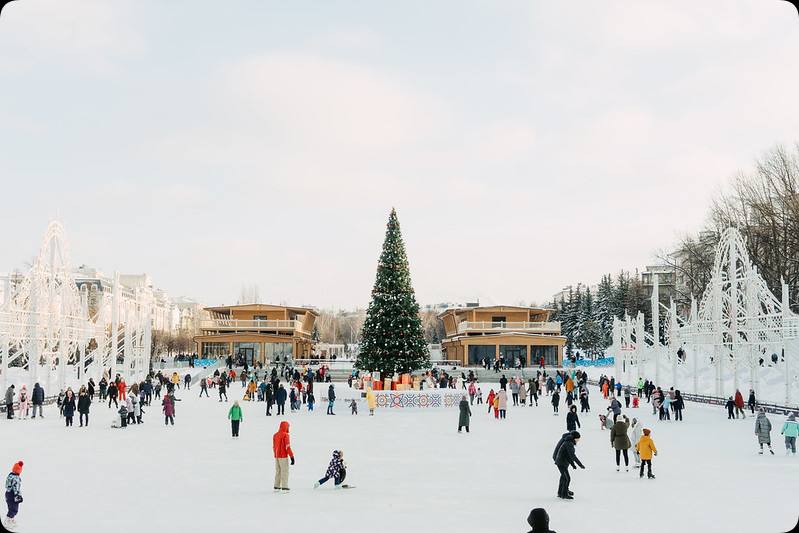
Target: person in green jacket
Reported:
[(791, 430), (235, 417)]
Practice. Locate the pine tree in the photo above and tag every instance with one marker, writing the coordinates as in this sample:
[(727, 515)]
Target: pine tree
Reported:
[(392, 339), (603, 312)]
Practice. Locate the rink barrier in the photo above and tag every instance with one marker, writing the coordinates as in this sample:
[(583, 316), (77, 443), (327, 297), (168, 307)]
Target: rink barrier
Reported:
[(416, 399), (771, 408)]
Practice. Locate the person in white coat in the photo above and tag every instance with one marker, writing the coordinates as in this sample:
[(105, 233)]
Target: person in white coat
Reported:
[(636, 429)]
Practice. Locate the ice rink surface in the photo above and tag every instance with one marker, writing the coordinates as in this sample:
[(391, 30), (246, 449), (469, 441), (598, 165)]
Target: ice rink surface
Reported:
[(413, 472)]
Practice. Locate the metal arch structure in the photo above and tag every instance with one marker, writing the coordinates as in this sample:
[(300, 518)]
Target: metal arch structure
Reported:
[(737, 327), (47, 334)]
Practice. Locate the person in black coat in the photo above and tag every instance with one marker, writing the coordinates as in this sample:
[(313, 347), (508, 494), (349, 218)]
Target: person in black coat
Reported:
[(678, 405), (280, 398), (730, 405), (269, 398), (331, 398), (112, 394), (503, 382), (572, 420), (69, 406), (37, 399), (84, 401), (565, 456), (539, 521)]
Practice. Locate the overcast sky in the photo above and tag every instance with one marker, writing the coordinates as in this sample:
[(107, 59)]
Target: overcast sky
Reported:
[(525, 145)]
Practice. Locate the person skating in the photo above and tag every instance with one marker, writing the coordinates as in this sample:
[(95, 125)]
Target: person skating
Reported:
[(281, 397), (620, 441), (69, 406), (752, 401), (472, 392), (790, 429), (490, 400), (502, 403), (331, 399), (464, 415), (565, 456), (539, 521), (23, 403), (123, 416), (739, 404), (281, 447), (371, 401), (646, 449), (311, 401), (555, 401), (336, 470), (112, 394), (269, 397), (353, 407), (222, 389), (763, 430), (84, 402), (168, 407), (203, 387), (572, 420), (635, 436), (13, 495), (235, 416), (187, 381), (9, 400), (514, 391), (730, 405), (37, 399), (678, 405)]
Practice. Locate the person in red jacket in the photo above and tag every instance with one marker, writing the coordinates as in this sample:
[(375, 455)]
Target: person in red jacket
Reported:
[(739, 404), (281, 445), (122, 388)]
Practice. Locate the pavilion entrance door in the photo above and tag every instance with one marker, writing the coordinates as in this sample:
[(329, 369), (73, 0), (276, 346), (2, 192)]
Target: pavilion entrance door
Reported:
[(247, 356)]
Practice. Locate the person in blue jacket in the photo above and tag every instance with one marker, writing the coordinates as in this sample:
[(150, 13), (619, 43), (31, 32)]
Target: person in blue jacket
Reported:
[(790, 429), (13, 494)]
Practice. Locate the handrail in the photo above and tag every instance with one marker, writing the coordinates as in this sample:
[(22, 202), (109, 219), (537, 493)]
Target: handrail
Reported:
[(223, 323), (533, 326)]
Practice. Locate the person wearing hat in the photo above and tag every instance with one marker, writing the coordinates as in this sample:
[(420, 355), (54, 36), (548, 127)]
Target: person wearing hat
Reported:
[(13, 494), (564, 456), (539, 521), (791, 430)]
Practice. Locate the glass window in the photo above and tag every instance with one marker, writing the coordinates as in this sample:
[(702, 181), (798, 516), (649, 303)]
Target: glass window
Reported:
[(478, 353), (215, 349), (510, 352)]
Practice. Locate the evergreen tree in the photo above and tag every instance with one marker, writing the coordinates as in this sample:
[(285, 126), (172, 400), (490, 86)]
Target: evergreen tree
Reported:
[(392, 339), (604, 310), (619, 301)]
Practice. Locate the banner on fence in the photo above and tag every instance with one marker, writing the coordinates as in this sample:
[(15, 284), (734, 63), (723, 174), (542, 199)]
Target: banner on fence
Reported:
[(607, 361), (417, 399)]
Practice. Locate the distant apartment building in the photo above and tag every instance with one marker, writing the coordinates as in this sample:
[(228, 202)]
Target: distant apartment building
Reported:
[(666, 278), (474, 334), (257, 333), (563, 294)]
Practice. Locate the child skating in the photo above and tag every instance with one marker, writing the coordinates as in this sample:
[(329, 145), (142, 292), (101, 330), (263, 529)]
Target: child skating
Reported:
[(13, 495), (646, 449), (354, 406), (336, 470)]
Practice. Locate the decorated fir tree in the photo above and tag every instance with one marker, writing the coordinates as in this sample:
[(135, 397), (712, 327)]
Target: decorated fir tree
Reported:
[(392, 339)]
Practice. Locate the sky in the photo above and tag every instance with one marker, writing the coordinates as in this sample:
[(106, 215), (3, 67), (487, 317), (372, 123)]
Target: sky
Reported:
[(526, 145)]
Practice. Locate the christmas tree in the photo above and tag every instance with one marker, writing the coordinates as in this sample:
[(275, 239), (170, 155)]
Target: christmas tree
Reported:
[(392, 339)]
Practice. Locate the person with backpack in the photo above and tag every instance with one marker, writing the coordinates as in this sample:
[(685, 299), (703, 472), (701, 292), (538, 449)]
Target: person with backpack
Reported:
[(336, 470), (235, 416), (280, 397)]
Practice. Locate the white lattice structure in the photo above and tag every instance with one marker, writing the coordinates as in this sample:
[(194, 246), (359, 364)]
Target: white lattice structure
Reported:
[(47, 335), (738, 327)]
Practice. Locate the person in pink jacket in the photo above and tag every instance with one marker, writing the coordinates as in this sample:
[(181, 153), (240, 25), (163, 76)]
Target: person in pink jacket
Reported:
[(168, 404), (503, 403), (24, 402)]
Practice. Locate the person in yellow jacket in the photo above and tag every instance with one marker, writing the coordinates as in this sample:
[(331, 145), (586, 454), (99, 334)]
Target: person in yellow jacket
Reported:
[(175, 380), (371, 401), (569, 384), (251, 389), (646, 449)]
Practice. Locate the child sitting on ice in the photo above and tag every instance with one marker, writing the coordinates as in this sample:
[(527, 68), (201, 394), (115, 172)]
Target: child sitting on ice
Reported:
[(354, 406), (337, 470)]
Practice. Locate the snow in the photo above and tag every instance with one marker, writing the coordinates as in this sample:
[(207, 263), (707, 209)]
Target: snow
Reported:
[(413, 472)]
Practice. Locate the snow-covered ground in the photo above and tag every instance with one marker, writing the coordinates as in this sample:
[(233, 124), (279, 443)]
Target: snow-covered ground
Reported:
[(412, 469)]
